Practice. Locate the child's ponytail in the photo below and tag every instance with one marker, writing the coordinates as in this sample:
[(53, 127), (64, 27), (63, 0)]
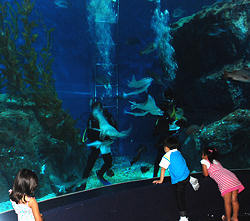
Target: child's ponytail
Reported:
[(211, 152)]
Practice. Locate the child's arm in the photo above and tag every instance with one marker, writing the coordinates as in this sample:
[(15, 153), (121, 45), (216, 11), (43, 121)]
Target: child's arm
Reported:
[(205, 164), (161, 177), (35, 209), (204, 170)]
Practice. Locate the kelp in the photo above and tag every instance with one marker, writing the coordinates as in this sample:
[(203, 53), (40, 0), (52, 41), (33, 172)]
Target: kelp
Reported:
[(10, 78), (27, 70)]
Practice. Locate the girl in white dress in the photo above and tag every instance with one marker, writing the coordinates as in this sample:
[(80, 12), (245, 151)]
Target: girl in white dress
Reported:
[(22, 196)]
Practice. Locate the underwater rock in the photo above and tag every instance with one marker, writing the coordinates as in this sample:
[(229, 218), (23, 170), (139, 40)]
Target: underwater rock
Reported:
[(212, 37), (26, 143), (230, 136), (206, 44)]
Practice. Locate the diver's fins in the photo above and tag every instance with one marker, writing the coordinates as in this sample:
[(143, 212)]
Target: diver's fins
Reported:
[(102, 179)]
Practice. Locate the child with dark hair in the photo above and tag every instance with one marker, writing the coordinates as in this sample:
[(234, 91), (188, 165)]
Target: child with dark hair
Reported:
[(228, 183), (22, 196), (179, 173)]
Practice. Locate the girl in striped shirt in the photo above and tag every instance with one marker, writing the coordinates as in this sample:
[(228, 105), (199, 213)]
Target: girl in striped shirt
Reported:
[(228, 183)]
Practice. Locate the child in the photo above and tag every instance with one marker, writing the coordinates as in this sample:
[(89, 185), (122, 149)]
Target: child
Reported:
[(179, 173), (228, 183), (22, 196)]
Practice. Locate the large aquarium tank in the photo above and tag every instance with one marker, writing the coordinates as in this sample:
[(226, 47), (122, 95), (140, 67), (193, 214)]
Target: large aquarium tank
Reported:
[(89, 89)]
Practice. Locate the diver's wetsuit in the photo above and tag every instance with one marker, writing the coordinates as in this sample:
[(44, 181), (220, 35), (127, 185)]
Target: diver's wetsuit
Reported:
[(94, 135)]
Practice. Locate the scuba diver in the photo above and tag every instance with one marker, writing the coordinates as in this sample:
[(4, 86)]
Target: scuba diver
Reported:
[(170, 124), (99, 144)]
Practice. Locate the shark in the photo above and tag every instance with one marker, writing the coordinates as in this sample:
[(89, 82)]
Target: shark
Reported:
[(140, 85), (98, 143), (105, 128), (242, 75), (148, 107)]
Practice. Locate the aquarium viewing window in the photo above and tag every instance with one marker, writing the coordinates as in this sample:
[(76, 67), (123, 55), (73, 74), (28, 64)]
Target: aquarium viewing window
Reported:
[(90, 90)]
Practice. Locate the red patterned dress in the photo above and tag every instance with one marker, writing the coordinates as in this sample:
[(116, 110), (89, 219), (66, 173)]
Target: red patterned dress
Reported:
[(226, 180)]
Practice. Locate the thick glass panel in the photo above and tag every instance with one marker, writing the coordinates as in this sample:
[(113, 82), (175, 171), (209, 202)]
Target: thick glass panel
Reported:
[(89, 90)]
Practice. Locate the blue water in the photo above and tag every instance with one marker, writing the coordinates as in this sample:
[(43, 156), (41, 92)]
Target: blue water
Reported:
[(123, 38)]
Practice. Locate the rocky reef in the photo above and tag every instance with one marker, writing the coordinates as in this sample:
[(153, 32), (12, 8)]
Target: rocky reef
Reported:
[(212, 83), (26, 143), (229, 135), (213, 37), (212, 51)]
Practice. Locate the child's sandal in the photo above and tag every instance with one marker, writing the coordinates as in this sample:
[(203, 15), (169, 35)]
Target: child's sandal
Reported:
[(223, 218)]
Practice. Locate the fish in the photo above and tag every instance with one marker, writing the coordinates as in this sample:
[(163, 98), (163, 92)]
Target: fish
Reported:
[(242, 75), (178, 12), (62, 3), (98, 143), (141, 86), (136, 92), (148, 107), (140, 83), (105, 128)]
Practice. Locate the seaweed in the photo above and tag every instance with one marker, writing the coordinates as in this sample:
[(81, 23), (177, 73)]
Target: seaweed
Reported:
[(27, 65), (27, 69)]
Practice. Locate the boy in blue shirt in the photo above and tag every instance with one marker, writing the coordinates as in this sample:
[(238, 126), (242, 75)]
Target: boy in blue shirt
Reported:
[(179, 173)]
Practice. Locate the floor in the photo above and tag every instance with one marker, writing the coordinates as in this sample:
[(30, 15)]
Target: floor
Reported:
[(141, 201)]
